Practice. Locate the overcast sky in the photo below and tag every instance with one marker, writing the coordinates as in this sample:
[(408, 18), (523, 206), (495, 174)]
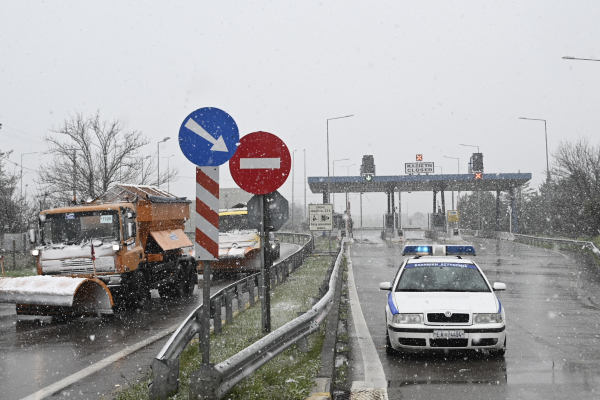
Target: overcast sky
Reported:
[(419, 77)]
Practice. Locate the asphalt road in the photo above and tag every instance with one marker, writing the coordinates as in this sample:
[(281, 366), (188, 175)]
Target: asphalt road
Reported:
[(38, 351), (552, 310)]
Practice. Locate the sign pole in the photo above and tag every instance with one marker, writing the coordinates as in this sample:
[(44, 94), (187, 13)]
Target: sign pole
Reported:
[(265, 267), (207, 243), (205, 326)]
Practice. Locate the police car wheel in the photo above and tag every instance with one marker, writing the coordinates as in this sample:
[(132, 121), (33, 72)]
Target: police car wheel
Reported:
[(389, 350)]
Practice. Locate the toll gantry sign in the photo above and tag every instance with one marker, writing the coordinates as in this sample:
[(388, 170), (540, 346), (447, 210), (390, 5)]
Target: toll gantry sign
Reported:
[(208, 137), (419, 168), (261, 164)]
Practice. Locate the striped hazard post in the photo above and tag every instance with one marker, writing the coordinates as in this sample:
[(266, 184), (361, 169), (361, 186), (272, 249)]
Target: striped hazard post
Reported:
[(207, 213)]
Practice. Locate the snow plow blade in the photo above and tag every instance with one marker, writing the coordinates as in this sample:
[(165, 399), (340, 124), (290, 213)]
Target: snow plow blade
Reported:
[(56, 295)]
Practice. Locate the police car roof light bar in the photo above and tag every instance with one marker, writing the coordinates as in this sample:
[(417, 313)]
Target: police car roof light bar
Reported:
[(448, 250)]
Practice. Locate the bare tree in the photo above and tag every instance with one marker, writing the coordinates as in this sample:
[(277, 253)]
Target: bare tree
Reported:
[(575, 193), (93, 155), (15, 212)]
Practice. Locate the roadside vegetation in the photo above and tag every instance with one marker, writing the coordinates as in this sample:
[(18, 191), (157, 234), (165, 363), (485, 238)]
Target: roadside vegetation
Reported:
[(289, 375), (24, 265)]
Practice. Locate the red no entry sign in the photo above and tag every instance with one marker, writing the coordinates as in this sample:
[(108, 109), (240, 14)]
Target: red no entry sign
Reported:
[(261, 163)]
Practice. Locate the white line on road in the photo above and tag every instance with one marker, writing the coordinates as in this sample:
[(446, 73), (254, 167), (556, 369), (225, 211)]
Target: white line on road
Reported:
[(374, 375), (260, 163), (84, 373)]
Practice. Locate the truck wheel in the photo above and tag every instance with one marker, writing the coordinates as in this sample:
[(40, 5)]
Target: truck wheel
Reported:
[(140, 293), (179, 288), (190, 279)]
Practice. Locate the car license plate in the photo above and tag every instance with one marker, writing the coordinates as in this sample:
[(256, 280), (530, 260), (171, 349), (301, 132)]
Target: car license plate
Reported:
[(447, 334)]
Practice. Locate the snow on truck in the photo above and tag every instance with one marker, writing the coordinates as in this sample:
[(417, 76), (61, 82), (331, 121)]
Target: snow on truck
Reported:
[(108, 253), (239, 244)]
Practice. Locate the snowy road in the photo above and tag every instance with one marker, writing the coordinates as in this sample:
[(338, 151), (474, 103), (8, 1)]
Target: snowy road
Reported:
[(552, 306), (36, 352)]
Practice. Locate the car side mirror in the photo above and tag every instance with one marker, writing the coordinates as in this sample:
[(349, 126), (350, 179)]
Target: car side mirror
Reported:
[(131, 230), (499, 286), (385, 286), (32, 236)]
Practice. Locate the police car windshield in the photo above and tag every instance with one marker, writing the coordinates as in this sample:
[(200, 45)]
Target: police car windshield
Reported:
[(441, 277)]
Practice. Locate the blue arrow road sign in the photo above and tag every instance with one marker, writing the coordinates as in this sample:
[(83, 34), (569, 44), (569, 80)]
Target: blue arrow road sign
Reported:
[(208, 137)]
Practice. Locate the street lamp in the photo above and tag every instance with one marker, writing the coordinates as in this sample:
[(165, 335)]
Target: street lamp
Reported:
[(470, 145), (293, 169), (304, 183), (328, 179), (168, 182), (35, 152), (329, 186), (546, 134), (580, 59), (458, 171), (144, 158), (158, 160)]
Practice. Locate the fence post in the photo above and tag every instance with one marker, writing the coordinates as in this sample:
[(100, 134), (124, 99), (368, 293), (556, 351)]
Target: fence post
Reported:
[(14, 251), (217, 317), (251, 290), (240, 297), (228, 307)]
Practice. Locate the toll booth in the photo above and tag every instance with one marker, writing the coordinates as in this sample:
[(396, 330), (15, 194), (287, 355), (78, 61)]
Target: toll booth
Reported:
[(437, 222)]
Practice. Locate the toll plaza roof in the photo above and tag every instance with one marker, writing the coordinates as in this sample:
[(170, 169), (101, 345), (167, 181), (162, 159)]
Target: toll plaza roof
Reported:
[(409, 183)]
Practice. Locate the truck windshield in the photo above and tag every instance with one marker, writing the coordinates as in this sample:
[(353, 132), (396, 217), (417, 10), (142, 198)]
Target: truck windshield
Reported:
[(235, 221), (74, 228)]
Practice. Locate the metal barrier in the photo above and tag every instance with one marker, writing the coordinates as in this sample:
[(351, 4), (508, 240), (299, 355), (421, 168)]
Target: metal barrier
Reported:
[(165, 367), (539, 241), (534, 240)]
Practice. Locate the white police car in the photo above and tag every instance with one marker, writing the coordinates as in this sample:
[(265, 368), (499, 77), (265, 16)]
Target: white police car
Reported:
[(438, 300)]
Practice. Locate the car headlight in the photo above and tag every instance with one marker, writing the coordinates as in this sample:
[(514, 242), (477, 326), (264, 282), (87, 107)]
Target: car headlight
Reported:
[(407, 319), (35, 252), (487, 318), (116, 247)]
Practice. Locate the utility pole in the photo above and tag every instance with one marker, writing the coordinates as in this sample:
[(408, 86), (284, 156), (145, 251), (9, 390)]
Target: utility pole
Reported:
[(158, 161), (304, 151)]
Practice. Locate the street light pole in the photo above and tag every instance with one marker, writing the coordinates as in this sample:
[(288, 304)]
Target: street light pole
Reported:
[(546, 135), (579, 59), (458, 171), (158, 160), (35, 152), (143, 158), (293, 169), (304, 214), (168, 181), (329, 187), (328, 178)]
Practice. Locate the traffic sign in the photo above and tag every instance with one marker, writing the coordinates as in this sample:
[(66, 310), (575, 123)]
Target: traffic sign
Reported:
[(478, 175), (453, 216), (419, 167), (278, 207), (261, 164), (320, 217), (419, 157), (208, 137)]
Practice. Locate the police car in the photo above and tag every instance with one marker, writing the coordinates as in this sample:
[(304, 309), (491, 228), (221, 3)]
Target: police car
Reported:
[(439, 300)]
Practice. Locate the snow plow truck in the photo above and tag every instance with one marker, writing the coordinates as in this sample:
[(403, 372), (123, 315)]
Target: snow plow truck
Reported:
[(106, 255)]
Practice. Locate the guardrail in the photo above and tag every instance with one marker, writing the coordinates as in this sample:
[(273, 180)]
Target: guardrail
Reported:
[(165, 367), (534, 240)]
